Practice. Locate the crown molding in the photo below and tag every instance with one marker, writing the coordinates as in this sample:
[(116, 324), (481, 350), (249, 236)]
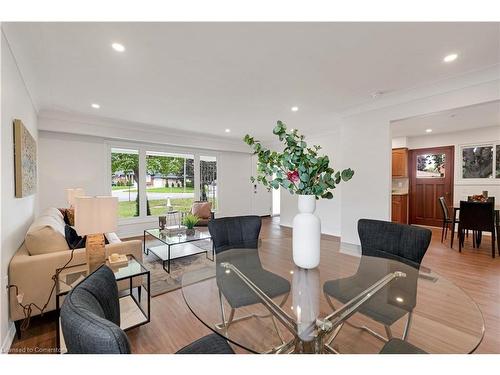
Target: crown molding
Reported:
[(470, 79), (110, 128)]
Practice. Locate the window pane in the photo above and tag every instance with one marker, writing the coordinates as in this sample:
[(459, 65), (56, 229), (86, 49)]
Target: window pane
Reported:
[(498, 161), (477, 162), (208, 180), (431, 166), (169, 178), (124, 180)]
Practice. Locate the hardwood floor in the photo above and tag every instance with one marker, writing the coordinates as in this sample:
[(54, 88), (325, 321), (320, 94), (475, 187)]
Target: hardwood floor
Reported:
[(173, 325)]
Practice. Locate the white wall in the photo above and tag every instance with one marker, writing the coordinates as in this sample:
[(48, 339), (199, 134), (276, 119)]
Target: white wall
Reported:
[(399, 142), (366, 147), (17, 213), (462, 188), (72, 160)]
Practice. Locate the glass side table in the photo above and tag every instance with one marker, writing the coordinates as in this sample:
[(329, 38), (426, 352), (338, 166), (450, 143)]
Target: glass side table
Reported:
[(134, 310)]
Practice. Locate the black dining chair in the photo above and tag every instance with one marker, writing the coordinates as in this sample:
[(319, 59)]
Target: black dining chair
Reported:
[(90, 320), (405, 245), (447, 220), (478, 217), (397, 346), (242, 233)]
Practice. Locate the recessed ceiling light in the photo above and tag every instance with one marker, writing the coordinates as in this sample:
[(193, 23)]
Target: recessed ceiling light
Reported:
[(295, 109), (428, 130), (95, 105), (451, 57), (118, 47), (228, 130)]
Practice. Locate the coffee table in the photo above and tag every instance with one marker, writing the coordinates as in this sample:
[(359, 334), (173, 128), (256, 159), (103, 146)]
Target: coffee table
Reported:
[(168, 250)]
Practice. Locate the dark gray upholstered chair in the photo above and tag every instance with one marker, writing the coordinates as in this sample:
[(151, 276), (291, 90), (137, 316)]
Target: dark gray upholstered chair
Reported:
[(404, 244), (447, 219), (242, 233), (238, 232), (397, 346), (90, 319), (90, 316)]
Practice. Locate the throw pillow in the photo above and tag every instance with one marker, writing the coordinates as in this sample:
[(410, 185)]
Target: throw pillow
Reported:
[(73, 239), (202, 209), (69, 217)]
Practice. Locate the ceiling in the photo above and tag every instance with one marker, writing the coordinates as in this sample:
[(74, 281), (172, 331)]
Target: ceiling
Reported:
[(208, 77), (465, 118)]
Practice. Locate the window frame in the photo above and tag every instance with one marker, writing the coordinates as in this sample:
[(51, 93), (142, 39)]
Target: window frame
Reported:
[(143, 148)]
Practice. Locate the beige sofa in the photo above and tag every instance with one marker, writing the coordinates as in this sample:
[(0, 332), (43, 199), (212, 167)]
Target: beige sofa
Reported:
[(43, 251)]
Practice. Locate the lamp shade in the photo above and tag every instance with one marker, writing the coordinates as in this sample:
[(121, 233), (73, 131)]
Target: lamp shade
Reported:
[(95, 215), (72, 193)]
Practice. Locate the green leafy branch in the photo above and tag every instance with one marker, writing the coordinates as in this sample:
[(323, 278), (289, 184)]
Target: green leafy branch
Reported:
[(298, 168)]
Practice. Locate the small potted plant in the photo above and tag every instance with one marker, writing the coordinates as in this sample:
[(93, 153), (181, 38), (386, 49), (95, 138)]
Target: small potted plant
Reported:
[(190, 221)]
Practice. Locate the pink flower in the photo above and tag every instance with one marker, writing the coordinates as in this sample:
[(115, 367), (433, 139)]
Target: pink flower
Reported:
[(293, 176)]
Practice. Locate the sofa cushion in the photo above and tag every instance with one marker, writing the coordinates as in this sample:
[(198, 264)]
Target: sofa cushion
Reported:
[(202, 209), (54, 212), (46, 235)]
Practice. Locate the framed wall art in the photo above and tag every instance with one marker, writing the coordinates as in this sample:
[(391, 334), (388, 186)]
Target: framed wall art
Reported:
[(25, 164)]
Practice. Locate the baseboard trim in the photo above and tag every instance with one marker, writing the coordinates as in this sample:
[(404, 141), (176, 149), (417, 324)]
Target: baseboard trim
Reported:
[(7, 342), (350, 249)]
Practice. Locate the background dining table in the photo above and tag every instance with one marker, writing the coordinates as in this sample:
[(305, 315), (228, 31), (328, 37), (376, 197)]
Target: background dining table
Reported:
[(456, 210)]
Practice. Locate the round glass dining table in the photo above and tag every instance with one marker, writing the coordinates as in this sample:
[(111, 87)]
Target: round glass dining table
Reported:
[(260, 301)]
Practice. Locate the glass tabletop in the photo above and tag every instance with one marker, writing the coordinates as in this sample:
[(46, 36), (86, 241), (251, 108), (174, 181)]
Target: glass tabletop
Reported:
[(259, 300), (72, 276), (175, 239)]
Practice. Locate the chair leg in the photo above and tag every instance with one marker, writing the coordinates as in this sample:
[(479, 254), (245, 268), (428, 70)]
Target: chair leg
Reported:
[(452, 233), (498, 240), (363, 328), (442, 232), (407, 326), (493, 240), (446, 231), (388, 332), (460, 239)]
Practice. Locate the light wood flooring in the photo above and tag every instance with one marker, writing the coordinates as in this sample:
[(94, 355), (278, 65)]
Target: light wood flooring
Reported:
[(173, 326)]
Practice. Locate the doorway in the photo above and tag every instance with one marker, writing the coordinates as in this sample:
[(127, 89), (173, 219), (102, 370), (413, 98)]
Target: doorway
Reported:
[(431, 175)]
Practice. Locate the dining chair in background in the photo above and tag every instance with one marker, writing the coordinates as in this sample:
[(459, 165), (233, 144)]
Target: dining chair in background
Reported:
[(447, 220), (402, 243), (241, 233), (478, 217), (90, 320)]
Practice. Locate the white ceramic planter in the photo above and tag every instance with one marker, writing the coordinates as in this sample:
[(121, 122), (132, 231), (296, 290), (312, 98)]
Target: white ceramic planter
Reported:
[(306, 234)]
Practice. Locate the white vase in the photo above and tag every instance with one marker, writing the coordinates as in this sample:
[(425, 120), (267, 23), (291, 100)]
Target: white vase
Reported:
[(306, 234)]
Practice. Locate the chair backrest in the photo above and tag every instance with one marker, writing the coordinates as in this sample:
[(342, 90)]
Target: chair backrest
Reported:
[(404, 243), (235, 232), (477, 215), (444, 208), (90, 316)]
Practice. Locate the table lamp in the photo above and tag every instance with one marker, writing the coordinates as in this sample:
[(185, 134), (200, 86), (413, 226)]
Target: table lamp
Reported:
[(72, 193), (95, 216)]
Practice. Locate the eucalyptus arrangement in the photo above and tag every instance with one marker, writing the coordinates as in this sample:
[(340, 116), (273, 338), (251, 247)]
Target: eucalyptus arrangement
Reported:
[(302, 171), (298, 168)]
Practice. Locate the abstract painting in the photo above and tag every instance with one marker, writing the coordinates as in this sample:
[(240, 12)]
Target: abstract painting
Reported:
[(477, 161), (24, 161)]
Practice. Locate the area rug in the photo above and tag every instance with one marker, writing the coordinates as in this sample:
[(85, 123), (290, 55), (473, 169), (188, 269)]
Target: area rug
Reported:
[(163, 282)]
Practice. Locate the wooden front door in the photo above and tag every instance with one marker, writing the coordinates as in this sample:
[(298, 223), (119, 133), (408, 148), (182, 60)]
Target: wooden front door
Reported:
[(431, 177)]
